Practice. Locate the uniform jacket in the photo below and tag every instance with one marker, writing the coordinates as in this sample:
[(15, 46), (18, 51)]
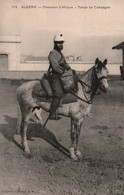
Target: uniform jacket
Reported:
[(57, 62)]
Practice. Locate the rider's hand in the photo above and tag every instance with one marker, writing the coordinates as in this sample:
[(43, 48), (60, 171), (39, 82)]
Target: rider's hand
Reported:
[(68, 67)]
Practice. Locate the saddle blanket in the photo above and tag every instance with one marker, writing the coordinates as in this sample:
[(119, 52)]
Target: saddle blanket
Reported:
[(40, 94)]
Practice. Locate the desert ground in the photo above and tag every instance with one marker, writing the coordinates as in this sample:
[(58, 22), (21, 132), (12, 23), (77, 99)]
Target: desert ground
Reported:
[(49, 169)]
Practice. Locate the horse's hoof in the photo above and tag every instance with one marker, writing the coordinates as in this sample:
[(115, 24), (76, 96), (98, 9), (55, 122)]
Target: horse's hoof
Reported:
[(27, 151), (39, 122), (79, 155), (74, 158)]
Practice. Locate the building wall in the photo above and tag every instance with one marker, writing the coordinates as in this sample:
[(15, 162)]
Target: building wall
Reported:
[(13, 51), (10, 45)]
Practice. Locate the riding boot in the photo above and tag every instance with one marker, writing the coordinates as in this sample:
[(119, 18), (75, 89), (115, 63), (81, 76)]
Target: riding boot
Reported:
[(53, 109)]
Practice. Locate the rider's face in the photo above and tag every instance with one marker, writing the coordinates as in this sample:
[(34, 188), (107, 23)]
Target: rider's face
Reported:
[(59, 45)]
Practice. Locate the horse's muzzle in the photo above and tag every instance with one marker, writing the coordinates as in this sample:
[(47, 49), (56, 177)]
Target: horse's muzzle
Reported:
[(104, 85)]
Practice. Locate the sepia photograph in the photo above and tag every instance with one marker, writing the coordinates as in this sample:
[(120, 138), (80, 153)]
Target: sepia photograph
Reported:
[(61, 97)]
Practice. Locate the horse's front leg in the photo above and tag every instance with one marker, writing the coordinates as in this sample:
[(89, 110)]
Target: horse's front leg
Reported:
[(75, 133), (24, 124), (78, 130), (73, 138)]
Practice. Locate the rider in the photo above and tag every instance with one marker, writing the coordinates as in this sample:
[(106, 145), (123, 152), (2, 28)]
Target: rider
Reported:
[(57, 65)]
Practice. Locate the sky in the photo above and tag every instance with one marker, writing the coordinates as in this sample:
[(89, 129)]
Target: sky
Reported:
[(89, 32)]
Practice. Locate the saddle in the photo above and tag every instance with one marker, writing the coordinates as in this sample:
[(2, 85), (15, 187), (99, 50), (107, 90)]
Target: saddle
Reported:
[(43, 90)]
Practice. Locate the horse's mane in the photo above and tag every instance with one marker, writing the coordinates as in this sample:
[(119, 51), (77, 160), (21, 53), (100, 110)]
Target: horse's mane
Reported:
[(85, 74)]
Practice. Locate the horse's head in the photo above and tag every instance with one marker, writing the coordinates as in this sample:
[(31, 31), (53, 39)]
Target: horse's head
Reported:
[(101, 73)]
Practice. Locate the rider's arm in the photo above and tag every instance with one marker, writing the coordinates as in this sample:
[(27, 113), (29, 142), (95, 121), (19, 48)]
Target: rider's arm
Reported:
[(66, 65), (54, 62)]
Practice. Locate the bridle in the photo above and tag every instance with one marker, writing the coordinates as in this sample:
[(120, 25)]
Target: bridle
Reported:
[(83, 84)]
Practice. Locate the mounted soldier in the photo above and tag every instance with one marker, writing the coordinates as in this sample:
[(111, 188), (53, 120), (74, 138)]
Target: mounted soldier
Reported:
[(57, 67), (30, 101)]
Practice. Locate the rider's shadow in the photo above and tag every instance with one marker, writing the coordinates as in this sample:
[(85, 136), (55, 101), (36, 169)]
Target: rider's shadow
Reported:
[(33, 130)]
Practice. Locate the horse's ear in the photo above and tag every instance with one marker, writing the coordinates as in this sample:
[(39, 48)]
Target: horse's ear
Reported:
[(96, 62), (105, 62)]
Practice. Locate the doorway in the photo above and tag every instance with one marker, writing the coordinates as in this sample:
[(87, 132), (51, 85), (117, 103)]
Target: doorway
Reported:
[(3, 62)]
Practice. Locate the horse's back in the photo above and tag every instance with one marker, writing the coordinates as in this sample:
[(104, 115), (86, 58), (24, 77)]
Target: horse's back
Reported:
[(24, 91), (27, 86)]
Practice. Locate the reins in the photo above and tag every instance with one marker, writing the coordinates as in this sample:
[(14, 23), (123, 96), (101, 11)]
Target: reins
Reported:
[(86, 101), (83, 83)]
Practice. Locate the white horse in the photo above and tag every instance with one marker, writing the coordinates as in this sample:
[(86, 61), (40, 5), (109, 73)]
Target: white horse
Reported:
[(89, 82)]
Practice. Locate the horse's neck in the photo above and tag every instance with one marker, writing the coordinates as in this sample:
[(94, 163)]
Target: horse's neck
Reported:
[(90, 80), (87, 77)]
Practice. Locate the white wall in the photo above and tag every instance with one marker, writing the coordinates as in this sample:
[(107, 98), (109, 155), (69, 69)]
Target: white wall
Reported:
[(114, 69), (13, 51), (11, 45)]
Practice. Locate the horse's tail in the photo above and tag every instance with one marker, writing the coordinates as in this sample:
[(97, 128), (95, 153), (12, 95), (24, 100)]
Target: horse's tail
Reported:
[(19, 116)]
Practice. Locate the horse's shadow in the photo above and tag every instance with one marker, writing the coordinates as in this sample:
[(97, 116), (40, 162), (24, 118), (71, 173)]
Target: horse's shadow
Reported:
[(34, 130)]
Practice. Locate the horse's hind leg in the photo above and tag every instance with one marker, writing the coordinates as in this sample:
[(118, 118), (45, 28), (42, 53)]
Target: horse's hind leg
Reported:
[(24, 124), (37, 112)]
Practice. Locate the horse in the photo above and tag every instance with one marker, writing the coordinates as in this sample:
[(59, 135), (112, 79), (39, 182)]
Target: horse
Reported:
[(88, 84)]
